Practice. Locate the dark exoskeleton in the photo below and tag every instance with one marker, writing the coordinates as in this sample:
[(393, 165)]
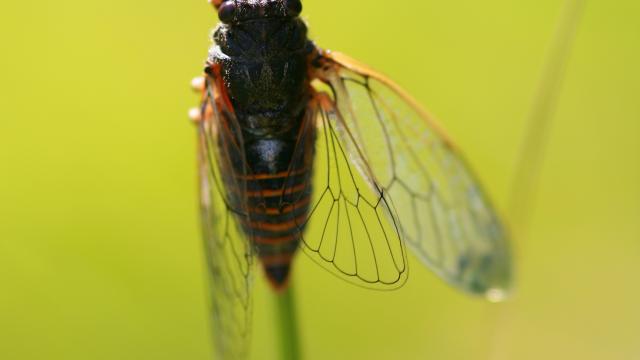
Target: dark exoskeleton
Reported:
[(261, 52)]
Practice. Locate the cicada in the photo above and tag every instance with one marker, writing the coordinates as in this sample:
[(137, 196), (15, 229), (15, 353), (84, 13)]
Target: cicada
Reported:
[(301, 148)]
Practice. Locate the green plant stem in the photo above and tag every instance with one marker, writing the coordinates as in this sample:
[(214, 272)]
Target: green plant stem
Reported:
[(286, 311), (538, 123)]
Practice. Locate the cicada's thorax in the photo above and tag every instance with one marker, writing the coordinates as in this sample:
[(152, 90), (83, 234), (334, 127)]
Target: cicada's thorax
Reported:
[(262, 50)]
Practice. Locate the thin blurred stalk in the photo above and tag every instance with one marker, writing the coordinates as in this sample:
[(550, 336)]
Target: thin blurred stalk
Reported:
[(531, 156), (286, 311)]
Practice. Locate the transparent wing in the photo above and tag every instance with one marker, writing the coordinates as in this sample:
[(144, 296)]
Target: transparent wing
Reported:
[(229, 256), (419, 182), (350, 229)]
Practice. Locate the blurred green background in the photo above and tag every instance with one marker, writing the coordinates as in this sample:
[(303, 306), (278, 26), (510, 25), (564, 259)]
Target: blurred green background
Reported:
[(100, 254)]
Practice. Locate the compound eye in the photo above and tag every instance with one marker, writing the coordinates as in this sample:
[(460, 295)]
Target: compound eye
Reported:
[(226, 11), (294, 7)]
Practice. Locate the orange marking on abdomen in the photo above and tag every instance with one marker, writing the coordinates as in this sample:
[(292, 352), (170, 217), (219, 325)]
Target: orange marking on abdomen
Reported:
[(281, 211), (279, 175), (279, 192), (277, 227), (264, 240)]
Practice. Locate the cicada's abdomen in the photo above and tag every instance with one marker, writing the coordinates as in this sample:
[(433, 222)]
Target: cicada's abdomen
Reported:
[(278, 195)]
